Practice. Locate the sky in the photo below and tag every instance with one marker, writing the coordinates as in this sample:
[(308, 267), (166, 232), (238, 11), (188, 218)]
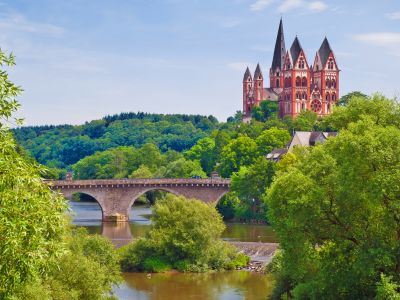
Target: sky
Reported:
[(80, 60)]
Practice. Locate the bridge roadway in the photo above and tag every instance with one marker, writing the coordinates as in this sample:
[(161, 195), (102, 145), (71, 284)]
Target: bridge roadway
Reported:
[(116, 196)]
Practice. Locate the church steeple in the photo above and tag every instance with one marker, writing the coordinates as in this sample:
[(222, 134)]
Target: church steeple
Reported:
[(279, 52)]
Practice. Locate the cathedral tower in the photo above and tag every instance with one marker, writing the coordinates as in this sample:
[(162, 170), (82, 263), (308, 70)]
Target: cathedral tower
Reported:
[(275, 72), (247, 92), (258, 81), (296, 82), (325, 80)]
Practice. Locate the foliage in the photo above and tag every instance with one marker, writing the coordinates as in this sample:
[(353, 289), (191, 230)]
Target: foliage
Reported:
[(335, 208), (183, 168), (271, 139), (88, 270), (63, 145), (266, 111), (186, 235), (238, 152), (31, 216), (228, 205), (250, 184), (344, 100), (204, 152)]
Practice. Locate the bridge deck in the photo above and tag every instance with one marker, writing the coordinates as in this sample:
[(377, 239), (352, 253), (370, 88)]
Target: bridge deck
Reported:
[(140, 182)]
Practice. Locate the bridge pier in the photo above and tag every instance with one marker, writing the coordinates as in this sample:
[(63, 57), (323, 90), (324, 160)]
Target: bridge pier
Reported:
[(117, 196)]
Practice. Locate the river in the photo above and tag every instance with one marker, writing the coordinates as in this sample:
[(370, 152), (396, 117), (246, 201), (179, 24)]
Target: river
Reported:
[(233, 285)]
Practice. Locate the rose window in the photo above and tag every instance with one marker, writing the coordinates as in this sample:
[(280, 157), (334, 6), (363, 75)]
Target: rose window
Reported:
[(316, 105)]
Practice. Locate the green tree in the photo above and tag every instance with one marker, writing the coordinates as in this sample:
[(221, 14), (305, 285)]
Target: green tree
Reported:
[(266, 110), (32, 218), (185, 234), (335, 209), (238, 152), (183, 168), (344, 100), (203, 151), (142, 172), (271, 139), (250, 184)]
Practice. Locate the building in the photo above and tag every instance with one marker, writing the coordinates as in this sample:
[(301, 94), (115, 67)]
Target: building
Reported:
[(301, 138), (293, 82)]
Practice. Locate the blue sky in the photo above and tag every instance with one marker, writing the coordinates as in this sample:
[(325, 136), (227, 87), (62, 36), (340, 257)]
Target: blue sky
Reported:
[(80, 60)]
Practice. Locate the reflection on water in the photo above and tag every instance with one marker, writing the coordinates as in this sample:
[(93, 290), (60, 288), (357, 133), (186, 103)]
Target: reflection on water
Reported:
[(236, 285), (232, 285), (88, 214)]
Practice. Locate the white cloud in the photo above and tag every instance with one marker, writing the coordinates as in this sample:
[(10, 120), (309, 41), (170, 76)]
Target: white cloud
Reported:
[(260, 5), (289, 5), (317, 6), (379, 38), (17, 22), (393, 16)]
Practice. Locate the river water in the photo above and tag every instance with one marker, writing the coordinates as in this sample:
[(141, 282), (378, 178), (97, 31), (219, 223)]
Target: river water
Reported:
[(233, 285)]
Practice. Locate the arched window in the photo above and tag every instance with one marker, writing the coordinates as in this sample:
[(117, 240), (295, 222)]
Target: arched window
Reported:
[(278, 83), (298, 96), (304, 96), (333, 97), (330, 64), (259, 84), (328, 83), (328, 97), (301, 64), (334, 83), (304, 81), (298, 81)]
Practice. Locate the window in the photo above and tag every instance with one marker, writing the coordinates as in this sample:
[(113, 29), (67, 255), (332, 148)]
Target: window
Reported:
[(298, 81), (333, 97), (304, 96), (334, 83), (277, 73), (304, 81), (328, 97), (330, 64), (301, 64), (278, 83), (328, 83)]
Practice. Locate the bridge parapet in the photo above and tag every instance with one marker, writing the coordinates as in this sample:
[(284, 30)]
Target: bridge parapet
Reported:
[(139, 182)]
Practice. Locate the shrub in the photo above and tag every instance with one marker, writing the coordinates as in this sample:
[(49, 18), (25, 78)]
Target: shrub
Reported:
[(185, 234)]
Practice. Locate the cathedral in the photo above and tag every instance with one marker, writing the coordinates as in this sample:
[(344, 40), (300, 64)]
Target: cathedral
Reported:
[(294, 83)]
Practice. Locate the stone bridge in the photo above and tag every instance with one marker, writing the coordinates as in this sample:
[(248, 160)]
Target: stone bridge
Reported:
[(116, 196)]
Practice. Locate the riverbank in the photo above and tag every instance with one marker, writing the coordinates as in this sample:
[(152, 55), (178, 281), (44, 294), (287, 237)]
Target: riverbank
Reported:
[(260, 254)]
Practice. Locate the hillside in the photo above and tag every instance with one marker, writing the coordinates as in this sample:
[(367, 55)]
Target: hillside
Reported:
[(63, 145)]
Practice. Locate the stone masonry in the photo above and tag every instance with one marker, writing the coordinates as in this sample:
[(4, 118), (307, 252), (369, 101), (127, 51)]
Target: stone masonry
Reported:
[(116, 196)]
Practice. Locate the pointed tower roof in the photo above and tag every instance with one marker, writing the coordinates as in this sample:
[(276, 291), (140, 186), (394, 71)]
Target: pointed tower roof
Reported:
[(295, 50), (279, 51), (247, 74), (324, 51), (257, 72)]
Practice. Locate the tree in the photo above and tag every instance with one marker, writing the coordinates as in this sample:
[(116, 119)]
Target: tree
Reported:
[(271, 139), (250, 184), (336, 208), (344, 100), (142, 172), (32, 218), (238, 152), (266, 110), (183, 168), (185, 235), (203, 151)]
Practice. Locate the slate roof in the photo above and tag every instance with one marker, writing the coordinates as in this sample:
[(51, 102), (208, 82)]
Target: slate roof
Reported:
[(270, 94), (324, 51), (257, 72), (295, 50), (276, 154), (279, 51), (247, 74)]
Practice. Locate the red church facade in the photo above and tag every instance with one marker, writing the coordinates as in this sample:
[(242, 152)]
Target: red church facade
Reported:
[(294, 83)]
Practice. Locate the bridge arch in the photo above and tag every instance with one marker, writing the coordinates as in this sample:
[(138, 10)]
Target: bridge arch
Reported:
[(91, 196), (136, 195)]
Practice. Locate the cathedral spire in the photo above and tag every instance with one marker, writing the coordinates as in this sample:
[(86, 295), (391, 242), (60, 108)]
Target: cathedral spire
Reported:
[(279, 52)]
